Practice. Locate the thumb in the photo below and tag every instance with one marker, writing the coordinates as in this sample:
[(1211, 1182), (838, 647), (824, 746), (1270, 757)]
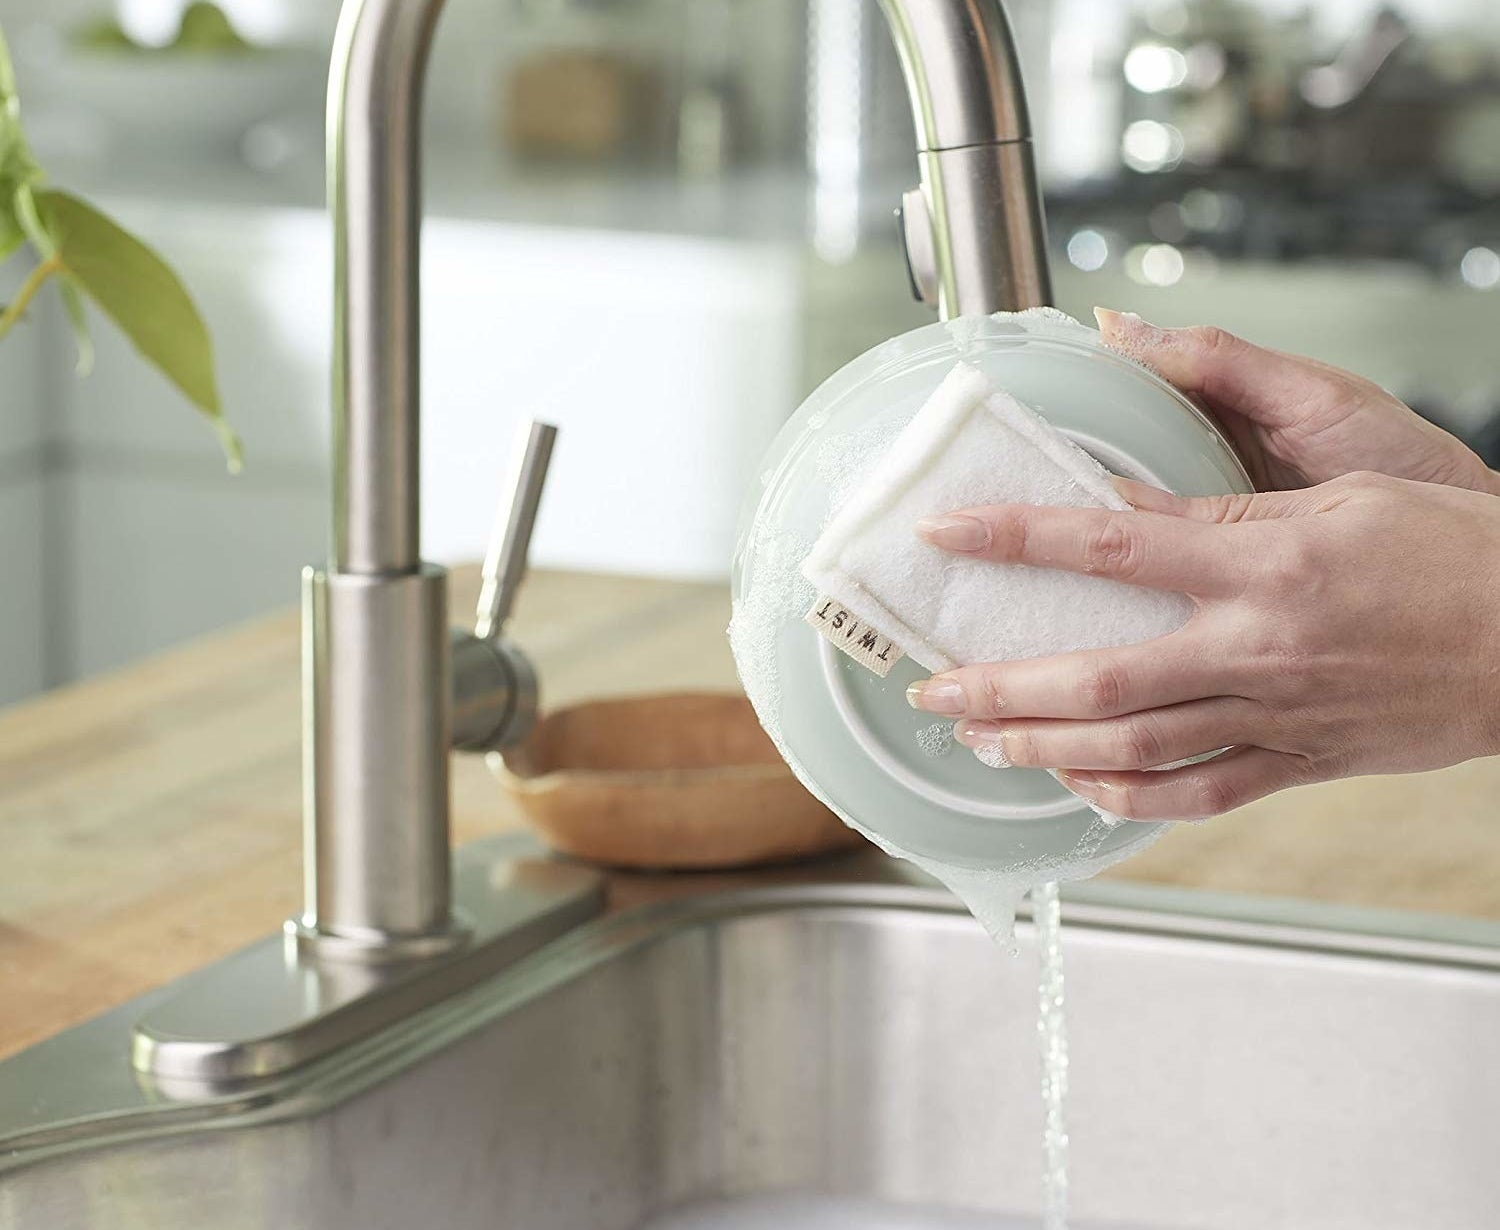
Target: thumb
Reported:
[(1219, 509), (1229, 373)]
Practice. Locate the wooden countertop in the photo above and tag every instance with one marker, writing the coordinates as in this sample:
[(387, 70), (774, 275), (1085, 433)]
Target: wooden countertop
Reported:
[(149, 819)]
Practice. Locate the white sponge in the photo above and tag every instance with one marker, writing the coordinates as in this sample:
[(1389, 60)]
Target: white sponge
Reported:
[(971, 445)]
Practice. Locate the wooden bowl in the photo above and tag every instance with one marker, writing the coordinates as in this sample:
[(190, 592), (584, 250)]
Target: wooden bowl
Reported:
[(678, 781)]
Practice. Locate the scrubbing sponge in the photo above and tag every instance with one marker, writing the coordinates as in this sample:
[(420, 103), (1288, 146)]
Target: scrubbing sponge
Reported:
[(972, 445)]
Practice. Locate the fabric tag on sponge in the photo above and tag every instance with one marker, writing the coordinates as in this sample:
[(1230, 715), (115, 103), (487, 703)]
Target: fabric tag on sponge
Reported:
[(839, 625), (968, 446)]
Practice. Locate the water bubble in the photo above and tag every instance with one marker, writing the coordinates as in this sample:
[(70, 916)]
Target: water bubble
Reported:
[(936, 740)]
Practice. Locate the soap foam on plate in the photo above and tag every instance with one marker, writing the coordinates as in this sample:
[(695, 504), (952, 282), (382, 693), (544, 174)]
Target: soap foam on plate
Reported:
[(936, 740), (991, 893), (777, 592)]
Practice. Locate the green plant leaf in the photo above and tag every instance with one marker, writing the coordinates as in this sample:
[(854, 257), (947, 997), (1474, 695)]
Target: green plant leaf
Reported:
[(83, 252), (8, 100), (138, 291), (17, 166), (18, 169)]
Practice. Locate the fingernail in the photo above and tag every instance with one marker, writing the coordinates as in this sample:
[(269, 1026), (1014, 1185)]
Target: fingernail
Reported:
[(936, 696), (955, 533), (1111, 321), (1071, 777), (1143, 495), (987, 744)]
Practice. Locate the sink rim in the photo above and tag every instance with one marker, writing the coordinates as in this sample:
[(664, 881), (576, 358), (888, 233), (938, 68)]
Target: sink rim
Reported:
[(646, 910)]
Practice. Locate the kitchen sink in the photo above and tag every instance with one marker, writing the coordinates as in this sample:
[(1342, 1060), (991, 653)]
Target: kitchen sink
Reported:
[(848, 1050)]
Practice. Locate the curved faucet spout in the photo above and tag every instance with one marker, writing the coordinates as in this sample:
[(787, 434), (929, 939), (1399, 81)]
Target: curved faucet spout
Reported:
[(962, 74), (967, 98), (377, 664)]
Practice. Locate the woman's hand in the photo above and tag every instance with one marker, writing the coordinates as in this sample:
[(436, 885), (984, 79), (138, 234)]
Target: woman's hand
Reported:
[(1297, 421), (1352, 627)]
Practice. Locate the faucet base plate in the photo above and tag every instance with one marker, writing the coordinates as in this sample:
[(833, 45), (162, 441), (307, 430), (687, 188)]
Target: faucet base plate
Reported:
[(377, 949), (281, 1003)]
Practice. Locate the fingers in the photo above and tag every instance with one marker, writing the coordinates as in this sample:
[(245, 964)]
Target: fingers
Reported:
[(1141, 740), (1139, 548), (1092, 684), (1265, 386), (1238, 777), (1235, 509)]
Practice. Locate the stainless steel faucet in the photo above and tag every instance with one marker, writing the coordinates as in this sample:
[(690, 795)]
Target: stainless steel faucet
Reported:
[(388, 690), (379, 653)]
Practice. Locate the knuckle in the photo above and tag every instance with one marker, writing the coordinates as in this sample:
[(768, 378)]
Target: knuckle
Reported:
[(1113, 548), (1141, 745), (1214, 341), (1292, 565), (1010, 535), (1130, 802), (1101, 687), (1363, 485), (1230, 509), (1213, 795), (984, 693), (1281, 657), (1304, 770), (1022, 748)]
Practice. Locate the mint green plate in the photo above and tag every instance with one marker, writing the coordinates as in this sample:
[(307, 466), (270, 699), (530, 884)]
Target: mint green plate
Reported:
[(849, 735)]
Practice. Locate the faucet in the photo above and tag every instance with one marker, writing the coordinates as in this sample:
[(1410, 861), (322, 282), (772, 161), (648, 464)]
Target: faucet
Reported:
[(380, 657), (388, 690)]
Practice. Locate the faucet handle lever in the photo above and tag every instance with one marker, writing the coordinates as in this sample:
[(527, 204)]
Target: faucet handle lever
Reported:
[(510, 543)]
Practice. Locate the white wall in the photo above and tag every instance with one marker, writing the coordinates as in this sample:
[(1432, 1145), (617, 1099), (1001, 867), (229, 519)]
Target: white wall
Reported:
[(668, 362)]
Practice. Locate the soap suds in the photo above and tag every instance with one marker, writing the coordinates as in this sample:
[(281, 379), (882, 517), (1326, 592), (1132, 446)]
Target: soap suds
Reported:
[(843, 459), (936, 740), (755, 623), (1138, 339), (772, 592), (992, 755)]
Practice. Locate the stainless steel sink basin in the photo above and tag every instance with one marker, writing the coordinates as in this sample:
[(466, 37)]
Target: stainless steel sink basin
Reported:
[(856, 1039)]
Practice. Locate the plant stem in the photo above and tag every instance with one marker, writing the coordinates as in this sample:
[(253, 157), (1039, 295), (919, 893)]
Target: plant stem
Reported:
[(32, 225), (53, 264)]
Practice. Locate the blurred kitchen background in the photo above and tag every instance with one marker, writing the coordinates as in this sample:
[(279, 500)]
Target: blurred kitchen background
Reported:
[(660, 223)]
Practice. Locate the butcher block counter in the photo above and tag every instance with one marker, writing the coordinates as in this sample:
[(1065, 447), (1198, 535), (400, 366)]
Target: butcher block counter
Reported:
[(150, 819)]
